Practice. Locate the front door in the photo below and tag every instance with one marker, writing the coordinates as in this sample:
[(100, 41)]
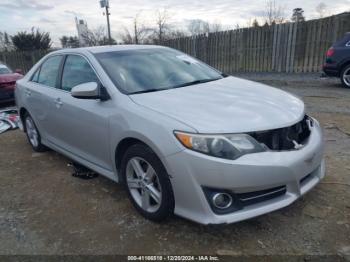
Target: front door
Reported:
[(81, 126)]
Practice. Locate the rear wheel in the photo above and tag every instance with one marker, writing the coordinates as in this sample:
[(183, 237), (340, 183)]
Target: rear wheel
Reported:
[(345, 76), (33, 134), (147, 183)]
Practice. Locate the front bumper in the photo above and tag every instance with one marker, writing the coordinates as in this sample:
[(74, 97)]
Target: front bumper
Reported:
[(191, 171)]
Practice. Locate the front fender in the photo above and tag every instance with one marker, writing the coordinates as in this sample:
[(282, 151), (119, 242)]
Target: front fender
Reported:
[(152, 128)]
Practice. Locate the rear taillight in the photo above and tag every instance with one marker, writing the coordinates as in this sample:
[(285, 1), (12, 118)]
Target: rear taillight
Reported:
[(330, 52)]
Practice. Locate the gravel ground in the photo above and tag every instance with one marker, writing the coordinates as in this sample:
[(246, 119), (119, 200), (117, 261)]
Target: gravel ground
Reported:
[(44, 210)]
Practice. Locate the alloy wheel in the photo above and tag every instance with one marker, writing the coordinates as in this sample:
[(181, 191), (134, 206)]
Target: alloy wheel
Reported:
[(143, 183), (346, 76), (32, 133)]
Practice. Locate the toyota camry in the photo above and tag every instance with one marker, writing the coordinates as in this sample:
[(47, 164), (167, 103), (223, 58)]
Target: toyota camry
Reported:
[(183, 137)]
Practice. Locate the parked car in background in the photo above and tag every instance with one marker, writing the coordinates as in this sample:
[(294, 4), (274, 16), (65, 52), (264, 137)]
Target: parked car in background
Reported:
[(338, 60), (8, 80), (181, 136)]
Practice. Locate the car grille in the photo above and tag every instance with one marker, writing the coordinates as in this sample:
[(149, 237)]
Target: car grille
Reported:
[(259, 196), (287, 138)]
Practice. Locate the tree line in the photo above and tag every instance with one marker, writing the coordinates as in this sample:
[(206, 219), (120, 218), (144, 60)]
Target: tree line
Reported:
[(160, 30), (25, 41)]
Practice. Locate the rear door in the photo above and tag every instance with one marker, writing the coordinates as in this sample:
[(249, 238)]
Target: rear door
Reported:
[(40, 93), (81, 126)]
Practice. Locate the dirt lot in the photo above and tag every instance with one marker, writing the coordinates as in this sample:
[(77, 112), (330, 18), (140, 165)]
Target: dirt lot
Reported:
[(44, 210)]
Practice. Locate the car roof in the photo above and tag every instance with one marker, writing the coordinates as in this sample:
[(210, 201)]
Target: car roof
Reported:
[(108, 48)]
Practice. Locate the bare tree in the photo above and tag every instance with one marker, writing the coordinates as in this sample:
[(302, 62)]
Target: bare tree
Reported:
[(215, 27), (162, 26), (5, 42), (177, 34), (126, 37), (138, 34), (140, 30), (321, 9), (97, 37), (198, 26), (93, 37), (274, 13)]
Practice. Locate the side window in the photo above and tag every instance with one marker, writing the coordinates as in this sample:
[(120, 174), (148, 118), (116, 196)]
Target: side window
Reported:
[(35, 77), (77, 71), (49, 71)]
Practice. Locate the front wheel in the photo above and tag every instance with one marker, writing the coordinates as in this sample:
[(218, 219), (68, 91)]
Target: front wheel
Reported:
[(147, 183), (345, 76)]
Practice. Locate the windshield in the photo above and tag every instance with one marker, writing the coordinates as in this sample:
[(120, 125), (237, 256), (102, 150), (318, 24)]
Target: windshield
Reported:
[(4, 70), (149, 70)]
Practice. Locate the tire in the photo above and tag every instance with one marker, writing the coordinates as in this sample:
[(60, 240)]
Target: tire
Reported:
[(150, 180), (33, 134), (345, 76)]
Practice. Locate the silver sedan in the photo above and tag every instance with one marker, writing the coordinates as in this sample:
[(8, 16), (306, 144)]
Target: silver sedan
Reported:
[(181, 136)]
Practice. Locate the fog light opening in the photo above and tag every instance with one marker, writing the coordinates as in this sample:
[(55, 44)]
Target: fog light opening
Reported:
[(222, 200)]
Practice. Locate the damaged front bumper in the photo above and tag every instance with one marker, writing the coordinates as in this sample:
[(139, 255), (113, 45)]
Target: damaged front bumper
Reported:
[(292, 173)]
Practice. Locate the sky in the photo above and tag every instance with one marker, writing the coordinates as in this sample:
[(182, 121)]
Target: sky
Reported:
[(57, 16)]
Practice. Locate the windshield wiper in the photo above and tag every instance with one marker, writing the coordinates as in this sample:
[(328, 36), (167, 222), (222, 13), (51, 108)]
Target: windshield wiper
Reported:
[(197, 82), (224, 75), (177, 86), (147, 91)]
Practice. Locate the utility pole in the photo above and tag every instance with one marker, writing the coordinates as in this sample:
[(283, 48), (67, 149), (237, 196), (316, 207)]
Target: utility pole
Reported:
[(105, 4), (108, 25)]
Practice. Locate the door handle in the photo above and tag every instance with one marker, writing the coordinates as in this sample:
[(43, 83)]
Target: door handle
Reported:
[(28, 92), (58, 102)]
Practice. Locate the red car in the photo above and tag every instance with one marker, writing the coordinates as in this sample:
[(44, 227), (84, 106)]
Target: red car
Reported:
[(8, 80)]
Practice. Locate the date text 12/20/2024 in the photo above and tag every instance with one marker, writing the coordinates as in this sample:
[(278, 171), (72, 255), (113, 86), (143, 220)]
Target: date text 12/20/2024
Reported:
[(173, 258)]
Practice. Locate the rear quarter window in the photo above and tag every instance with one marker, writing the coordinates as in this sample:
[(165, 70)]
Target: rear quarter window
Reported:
[(345, 41), (35, 76), (49, 71)]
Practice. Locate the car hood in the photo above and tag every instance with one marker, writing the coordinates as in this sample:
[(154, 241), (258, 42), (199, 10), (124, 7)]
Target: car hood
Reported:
[(228, 105), (6, 78)]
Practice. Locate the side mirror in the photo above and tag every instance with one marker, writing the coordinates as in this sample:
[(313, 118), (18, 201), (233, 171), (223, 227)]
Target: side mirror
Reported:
[(19, 71), (88, 90)]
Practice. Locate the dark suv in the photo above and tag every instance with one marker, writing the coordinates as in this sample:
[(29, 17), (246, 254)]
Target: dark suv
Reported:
[(338, 60)]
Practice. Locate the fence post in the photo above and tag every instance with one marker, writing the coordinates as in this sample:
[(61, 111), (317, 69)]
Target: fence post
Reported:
[(335, 28), (4, 57), (293, 46), (274, 47)]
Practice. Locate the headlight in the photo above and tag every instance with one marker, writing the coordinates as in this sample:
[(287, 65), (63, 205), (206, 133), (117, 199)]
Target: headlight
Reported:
[(223, 146)]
